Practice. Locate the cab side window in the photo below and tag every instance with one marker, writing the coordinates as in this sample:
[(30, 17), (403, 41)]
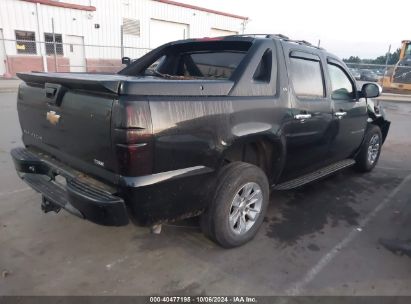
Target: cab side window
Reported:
[(341, 85), (307, 78), (263, 71)]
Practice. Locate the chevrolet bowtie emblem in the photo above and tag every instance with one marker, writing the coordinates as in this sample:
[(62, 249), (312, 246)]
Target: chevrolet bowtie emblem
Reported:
[(52, 117)]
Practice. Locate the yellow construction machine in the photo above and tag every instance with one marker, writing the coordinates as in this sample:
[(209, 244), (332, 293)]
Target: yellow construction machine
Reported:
[(398, 78)]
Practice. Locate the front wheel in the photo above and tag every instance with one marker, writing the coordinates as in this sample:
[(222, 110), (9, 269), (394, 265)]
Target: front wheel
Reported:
[(239, 205), (369, 153)]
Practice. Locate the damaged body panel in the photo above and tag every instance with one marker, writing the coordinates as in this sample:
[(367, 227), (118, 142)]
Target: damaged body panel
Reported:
[(378, 117), (159, 132)]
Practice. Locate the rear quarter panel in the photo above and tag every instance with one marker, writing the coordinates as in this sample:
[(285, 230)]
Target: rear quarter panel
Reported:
[(196, 131)]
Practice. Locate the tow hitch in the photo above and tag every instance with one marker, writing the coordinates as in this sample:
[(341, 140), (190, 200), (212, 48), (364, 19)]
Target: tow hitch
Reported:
[(48, 206)]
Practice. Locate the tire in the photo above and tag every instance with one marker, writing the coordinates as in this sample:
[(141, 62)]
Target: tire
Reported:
[(247, 214), (370, 150)]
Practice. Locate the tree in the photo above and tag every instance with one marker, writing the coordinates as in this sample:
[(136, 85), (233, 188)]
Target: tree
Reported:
[(380, 60), (392, 59), (353, 59)]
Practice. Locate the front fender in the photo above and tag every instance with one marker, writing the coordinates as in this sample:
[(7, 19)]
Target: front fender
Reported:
[(377, 116)]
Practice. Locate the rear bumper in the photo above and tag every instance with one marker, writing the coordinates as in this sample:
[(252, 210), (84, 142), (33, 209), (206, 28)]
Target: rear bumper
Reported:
[(80, 196)]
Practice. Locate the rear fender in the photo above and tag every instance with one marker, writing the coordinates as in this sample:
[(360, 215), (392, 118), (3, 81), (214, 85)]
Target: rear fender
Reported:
[(271, 153)]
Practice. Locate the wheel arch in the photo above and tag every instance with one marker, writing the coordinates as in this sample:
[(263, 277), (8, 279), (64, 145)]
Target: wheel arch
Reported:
[(383, 124), (376, 116), (265, 151)]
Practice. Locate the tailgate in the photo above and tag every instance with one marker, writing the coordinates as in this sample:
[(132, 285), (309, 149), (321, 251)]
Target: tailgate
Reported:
[(67, 121)]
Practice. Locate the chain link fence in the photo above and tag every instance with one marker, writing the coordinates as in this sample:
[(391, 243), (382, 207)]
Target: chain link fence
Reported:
[(393, 78), (368, 72), (24, 54), (394, 75)]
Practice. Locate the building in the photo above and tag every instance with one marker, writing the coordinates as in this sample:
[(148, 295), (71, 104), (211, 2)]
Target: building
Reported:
[(93, 35)]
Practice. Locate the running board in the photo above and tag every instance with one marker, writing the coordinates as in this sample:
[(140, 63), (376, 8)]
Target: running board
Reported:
[(323, 172)]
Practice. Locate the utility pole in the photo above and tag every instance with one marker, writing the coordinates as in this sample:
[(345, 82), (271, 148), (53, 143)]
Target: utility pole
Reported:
[(243, 26), (387, 57), (54, 44), (42, 48), (122, 41)]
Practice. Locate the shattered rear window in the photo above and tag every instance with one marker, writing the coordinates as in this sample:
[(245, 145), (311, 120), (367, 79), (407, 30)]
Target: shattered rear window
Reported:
[(219, 65), (196, 60)]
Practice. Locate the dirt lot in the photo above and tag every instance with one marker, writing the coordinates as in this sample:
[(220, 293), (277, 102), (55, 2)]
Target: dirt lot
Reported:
[(318, 240)]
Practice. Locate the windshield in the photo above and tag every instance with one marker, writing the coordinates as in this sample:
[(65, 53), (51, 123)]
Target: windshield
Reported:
[(408, 50)]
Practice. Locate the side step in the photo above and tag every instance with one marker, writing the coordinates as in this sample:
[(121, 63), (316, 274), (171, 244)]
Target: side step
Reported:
[(323, 172)]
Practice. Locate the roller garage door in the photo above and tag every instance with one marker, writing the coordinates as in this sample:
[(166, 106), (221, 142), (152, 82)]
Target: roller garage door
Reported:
[(215, 32), (165, 31)]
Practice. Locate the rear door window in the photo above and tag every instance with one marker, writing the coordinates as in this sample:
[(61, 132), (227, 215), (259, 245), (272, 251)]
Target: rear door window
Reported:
[(307, 78)]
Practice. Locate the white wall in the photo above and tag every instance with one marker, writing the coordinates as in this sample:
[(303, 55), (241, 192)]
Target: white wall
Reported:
[(21, 15), (215, 32), (2, 55), (169, 31)]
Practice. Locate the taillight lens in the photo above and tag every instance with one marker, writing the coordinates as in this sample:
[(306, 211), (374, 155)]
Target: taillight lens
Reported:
[(133, 138), (135, 160)]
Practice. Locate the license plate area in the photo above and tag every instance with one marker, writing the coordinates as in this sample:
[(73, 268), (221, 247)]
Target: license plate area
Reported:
[(60, 180)]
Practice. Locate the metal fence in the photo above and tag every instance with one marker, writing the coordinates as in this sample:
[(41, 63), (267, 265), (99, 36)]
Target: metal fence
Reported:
[(54, 55), (370, 72), (390, 77), (24, 54)]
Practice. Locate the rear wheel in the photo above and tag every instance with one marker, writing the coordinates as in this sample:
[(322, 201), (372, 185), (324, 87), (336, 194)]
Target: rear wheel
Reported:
[(239, 205), (370, 150)]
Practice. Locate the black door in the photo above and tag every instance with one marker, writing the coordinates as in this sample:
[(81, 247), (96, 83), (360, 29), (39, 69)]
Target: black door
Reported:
[(310, 131), (349, 113)]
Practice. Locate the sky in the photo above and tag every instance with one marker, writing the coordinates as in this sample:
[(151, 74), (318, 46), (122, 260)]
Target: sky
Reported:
[(363, 28)]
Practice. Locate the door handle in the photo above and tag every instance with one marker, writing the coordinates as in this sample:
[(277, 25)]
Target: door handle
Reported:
[(340, 114), (302, 116)]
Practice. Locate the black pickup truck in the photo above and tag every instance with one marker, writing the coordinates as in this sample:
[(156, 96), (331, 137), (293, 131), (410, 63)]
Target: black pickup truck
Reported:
[(195, 127)]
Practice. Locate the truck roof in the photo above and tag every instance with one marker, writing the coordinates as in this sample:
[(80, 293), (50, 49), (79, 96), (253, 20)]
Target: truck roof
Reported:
[(251, 37)]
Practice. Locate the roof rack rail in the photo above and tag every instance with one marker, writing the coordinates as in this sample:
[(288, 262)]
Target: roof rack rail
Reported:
[(249, 35), (278, 36), (306, 43), (281, 36)]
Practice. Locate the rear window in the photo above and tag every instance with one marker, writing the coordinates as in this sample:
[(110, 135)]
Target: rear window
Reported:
[(220, 65), (217, 59)]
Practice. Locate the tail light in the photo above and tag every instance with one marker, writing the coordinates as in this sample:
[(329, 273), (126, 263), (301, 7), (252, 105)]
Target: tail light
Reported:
[(133, 138)]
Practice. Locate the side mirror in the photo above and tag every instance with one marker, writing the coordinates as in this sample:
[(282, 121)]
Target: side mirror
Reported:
[(371, 90), (126, 60)]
